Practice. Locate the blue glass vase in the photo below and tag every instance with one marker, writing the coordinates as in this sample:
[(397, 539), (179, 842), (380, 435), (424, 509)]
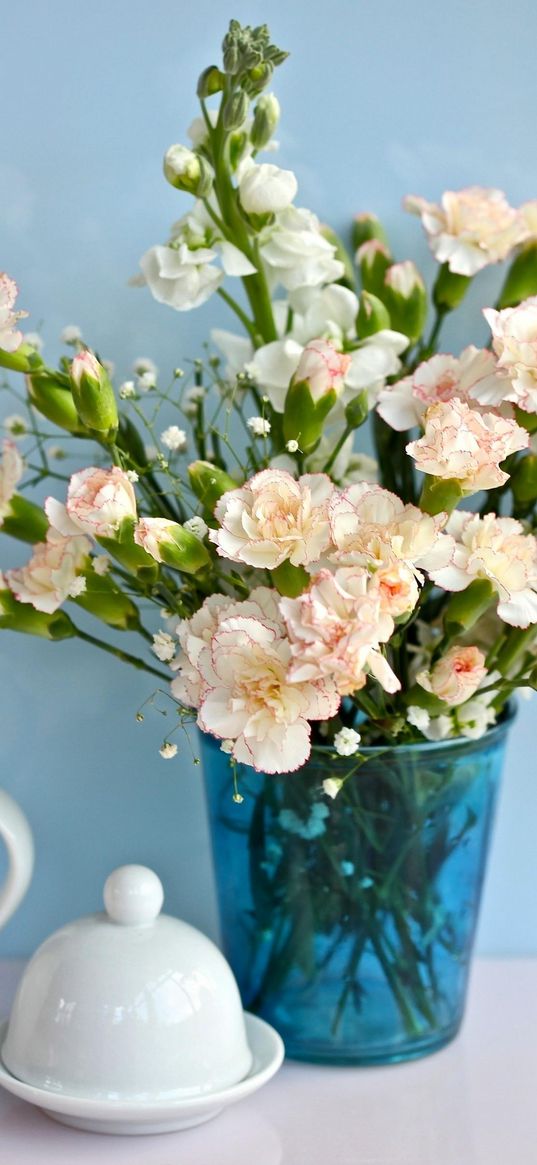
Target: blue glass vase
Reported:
[(350, 923)]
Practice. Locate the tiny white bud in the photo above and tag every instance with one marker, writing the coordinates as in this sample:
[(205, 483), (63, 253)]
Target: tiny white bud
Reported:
[(16, 425), (127, 390), (168, 750), (71, 335), (132, 475), (332, 786), (292, 446), (258, 426), (174, 439)]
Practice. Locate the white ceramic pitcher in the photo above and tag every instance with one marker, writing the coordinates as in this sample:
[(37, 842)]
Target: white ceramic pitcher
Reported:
[(17, 835)]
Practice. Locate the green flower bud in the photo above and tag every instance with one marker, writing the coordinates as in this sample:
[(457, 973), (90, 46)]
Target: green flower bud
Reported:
[(449, 289), (210, 81), (266, 118), (521, 279), (259, 76), (23, 617), (373, 316), (290, 580), (93, 395), (373, 259), (24, 520), (188, 171), (357, 410), (209, 483), (230, 48), (365, 227), (235, 110), (439, 494), (22, 360), (303, 418), (107, 602), (50, 393), (406, 299), (124, 549)]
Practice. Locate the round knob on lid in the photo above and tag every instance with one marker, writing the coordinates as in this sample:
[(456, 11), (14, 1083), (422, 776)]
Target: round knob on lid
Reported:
[(133, 895)]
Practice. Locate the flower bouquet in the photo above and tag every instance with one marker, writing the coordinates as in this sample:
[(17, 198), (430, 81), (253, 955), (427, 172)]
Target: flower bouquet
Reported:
[(347, 632)]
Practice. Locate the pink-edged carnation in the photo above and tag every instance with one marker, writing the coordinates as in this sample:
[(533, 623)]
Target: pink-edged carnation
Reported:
[(514, 332), (473, 376), (336, 628), (235, 666), (10, 337), (463, 444), (85, 363), (11, 471), (98, 501), (373, 528), (499, 550), (470, 228), (456, 675), (274, 518), (52, 574), (323, 367)]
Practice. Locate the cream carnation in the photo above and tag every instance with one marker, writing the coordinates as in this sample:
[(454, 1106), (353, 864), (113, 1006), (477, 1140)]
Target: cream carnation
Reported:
[(456, 675), (11, 471), (473, 377), (499, 550), (514, 333), (373, 528), (273, 518), (470, 228), (98, 501), (50, 577), (336, 628), (461, 443), (10, 337), (242, 660)]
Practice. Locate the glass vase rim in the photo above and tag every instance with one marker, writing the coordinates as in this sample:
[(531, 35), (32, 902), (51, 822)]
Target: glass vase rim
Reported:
[(494, 733)]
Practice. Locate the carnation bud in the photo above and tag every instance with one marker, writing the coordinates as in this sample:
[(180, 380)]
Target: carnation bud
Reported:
[(521, 279), (169, 542), (24, 520), (50, 393), (210, 81), (235, 110), (373, 259), (266, 118), (313, 392), (23, 617), (440, 494), (188, 171), (357, 410), (93, 395), (123, 548), (406, 299), (373, 316), (209, 482), (365, 227), (449, 289), (23, 359)]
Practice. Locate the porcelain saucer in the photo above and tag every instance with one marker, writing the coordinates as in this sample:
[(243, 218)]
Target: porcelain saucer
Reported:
[(135, 1117)]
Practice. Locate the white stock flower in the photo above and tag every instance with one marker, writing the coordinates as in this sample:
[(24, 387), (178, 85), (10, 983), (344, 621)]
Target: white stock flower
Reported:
[(98, 501), (50, 577), (179, 277), (265, 189), (375, 360), (473, 377), (258, 426), (296, 253), (272, 518), (10, 337), (463, 444), (418, 717), (11, 471), (336, 628), (476, 716), (470, 228), (272, 368), (514, 332), (323, 311), (499, 550), (174, 439), (346, 742)]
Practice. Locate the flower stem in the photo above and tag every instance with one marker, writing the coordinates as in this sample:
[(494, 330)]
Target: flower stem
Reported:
[(232, 303), (124, 656)]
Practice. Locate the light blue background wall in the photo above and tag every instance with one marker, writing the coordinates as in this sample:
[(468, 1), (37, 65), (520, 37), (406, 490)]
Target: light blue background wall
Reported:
[(379, 99)]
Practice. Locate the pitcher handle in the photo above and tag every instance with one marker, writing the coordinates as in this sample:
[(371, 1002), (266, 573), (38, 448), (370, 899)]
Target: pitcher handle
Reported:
[(17, 835)]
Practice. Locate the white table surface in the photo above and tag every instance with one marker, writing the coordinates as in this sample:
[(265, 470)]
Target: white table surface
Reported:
[(474, 1103)]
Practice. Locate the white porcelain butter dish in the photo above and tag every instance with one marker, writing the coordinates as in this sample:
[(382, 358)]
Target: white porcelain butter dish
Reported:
[(131, 1009)]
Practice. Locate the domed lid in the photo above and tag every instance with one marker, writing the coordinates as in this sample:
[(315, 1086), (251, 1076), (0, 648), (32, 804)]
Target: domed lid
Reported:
[(128, 1004)]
